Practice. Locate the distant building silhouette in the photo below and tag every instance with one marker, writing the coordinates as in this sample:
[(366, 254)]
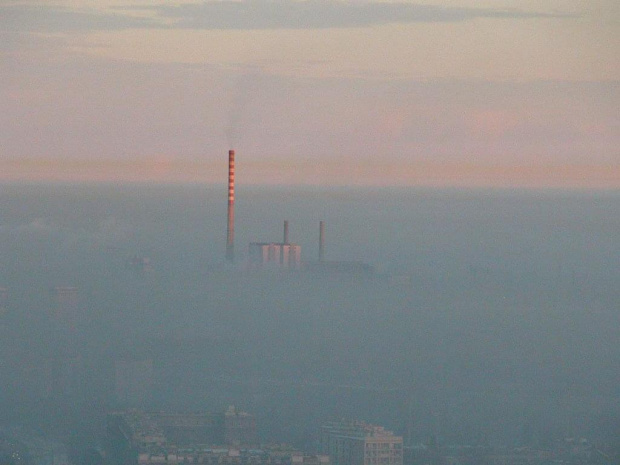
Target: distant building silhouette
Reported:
[(4, 301), (239, 428), (65, 311), (358, 443), (134, 437), (149, 431), (140, 264)]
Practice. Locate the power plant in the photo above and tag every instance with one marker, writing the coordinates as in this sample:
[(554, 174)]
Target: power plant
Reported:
[(283, 255), (275, 254)]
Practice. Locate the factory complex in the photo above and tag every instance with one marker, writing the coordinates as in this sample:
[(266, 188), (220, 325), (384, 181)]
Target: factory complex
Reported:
[(283, 255)]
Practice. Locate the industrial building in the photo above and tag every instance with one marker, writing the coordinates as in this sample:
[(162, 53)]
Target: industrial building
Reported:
[(276, 255), (282, 255), (358, 443), (285, 255), (325, 267)]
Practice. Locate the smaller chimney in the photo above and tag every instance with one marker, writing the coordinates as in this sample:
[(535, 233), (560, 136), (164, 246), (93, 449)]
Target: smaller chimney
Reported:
[(285, 241), (321, 241)]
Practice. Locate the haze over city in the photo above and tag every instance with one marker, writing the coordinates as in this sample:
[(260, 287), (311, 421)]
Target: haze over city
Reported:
[(315, 232)]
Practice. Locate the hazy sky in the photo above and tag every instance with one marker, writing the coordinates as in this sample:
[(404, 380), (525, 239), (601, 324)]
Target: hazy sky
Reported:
[(451, 92)]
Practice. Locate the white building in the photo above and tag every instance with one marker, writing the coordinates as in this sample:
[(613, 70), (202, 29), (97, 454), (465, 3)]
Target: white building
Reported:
[(275, 255)]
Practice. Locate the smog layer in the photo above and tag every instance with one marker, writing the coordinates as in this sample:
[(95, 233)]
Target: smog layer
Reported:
[(489, 313)]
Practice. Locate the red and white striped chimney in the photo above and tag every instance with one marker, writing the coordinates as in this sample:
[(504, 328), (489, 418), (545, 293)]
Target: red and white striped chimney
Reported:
[(230, 233)]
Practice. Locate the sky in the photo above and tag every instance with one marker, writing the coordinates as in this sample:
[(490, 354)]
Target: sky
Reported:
[(499, 93)]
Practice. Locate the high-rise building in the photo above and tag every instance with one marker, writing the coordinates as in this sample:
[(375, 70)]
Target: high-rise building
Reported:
[(358, 443)]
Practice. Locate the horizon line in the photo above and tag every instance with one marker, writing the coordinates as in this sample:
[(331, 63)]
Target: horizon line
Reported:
[(308, 172)]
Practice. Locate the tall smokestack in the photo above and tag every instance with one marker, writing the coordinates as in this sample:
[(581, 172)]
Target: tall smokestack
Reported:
[(285, 241), (230, 233), (321, 241)]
